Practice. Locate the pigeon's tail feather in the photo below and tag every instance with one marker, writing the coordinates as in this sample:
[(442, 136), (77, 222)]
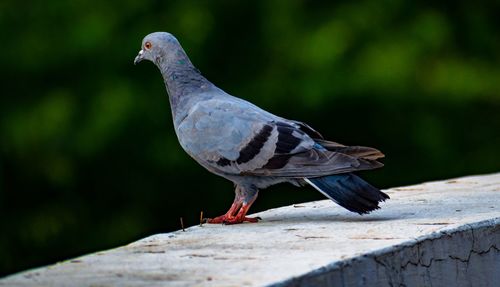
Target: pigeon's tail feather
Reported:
[(349, 191), (363, 152)]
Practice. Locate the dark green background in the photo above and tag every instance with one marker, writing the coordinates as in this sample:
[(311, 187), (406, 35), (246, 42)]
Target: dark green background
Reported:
[(88, 156)]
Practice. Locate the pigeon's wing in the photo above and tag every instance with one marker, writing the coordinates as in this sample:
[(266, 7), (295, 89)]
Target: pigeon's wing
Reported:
[(228, 135), (318, 161), (306, 129), (236, 137)]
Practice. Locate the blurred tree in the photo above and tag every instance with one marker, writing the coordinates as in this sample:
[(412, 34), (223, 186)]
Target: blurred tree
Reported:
[(88, 157)]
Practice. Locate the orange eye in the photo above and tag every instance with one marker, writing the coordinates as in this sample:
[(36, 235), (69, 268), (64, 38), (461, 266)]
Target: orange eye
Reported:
[(148, 45)]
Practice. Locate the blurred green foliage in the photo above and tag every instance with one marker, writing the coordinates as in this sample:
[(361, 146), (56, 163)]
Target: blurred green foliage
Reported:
[(88, 156)]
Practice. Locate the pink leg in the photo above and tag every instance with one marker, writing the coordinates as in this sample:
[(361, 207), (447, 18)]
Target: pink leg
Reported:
[(241, 216), (229, 214), (237, 213)]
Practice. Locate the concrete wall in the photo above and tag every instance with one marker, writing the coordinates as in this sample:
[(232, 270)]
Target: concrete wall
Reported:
[(466, 256), (444, 233)]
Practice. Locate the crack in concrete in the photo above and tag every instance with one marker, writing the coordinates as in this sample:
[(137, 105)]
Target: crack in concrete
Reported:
[(393, 273), (422, 254)]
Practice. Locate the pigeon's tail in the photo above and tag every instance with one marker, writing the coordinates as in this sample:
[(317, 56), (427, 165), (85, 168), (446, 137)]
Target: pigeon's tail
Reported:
[(349, 191)]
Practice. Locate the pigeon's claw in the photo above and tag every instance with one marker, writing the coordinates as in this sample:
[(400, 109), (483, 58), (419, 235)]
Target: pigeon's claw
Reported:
[(217, 220), (236, 214), (236, 220), (228, 220)]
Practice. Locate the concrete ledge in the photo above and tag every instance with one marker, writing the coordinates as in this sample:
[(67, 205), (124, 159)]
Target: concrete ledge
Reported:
[(465, 256), (432, 234)]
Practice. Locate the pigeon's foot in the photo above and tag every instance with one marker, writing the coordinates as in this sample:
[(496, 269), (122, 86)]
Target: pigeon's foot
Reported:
[(237, 220), (224, 219), (236, 214)]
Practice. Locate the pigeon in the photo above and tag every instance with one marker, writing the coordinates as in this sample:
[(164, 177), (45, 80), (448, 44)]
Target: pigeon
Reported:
[(251, 147)]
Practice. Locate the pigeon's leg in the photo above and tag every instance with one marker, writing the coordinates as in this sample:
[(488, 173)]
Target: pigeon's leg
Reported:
[(244, 198), (232, 212), (241, 217), (235, 207)]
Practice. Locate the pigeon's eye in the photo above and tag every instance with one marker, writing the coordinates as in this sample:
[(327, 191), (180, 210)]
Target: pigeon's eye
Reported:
[(148, 45)]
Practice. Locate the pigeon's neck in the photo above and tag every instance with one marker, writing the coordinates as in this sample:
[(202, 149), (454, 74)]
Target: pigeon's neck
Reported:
[(182, 79)]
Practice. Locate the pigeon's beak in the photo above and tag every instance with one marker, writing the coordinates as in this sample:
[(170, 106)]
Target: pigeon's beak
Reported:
[(139, 57)]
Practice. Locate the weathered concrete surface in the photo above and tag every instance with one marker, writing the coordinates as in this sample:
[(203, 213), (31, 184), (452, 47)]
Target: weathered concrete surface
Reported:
[(443, 233)]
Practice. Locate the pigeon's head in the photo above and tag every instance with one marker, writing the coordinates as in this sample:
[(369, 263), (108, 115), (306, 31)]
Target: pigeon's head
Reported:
[(157, 46)]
